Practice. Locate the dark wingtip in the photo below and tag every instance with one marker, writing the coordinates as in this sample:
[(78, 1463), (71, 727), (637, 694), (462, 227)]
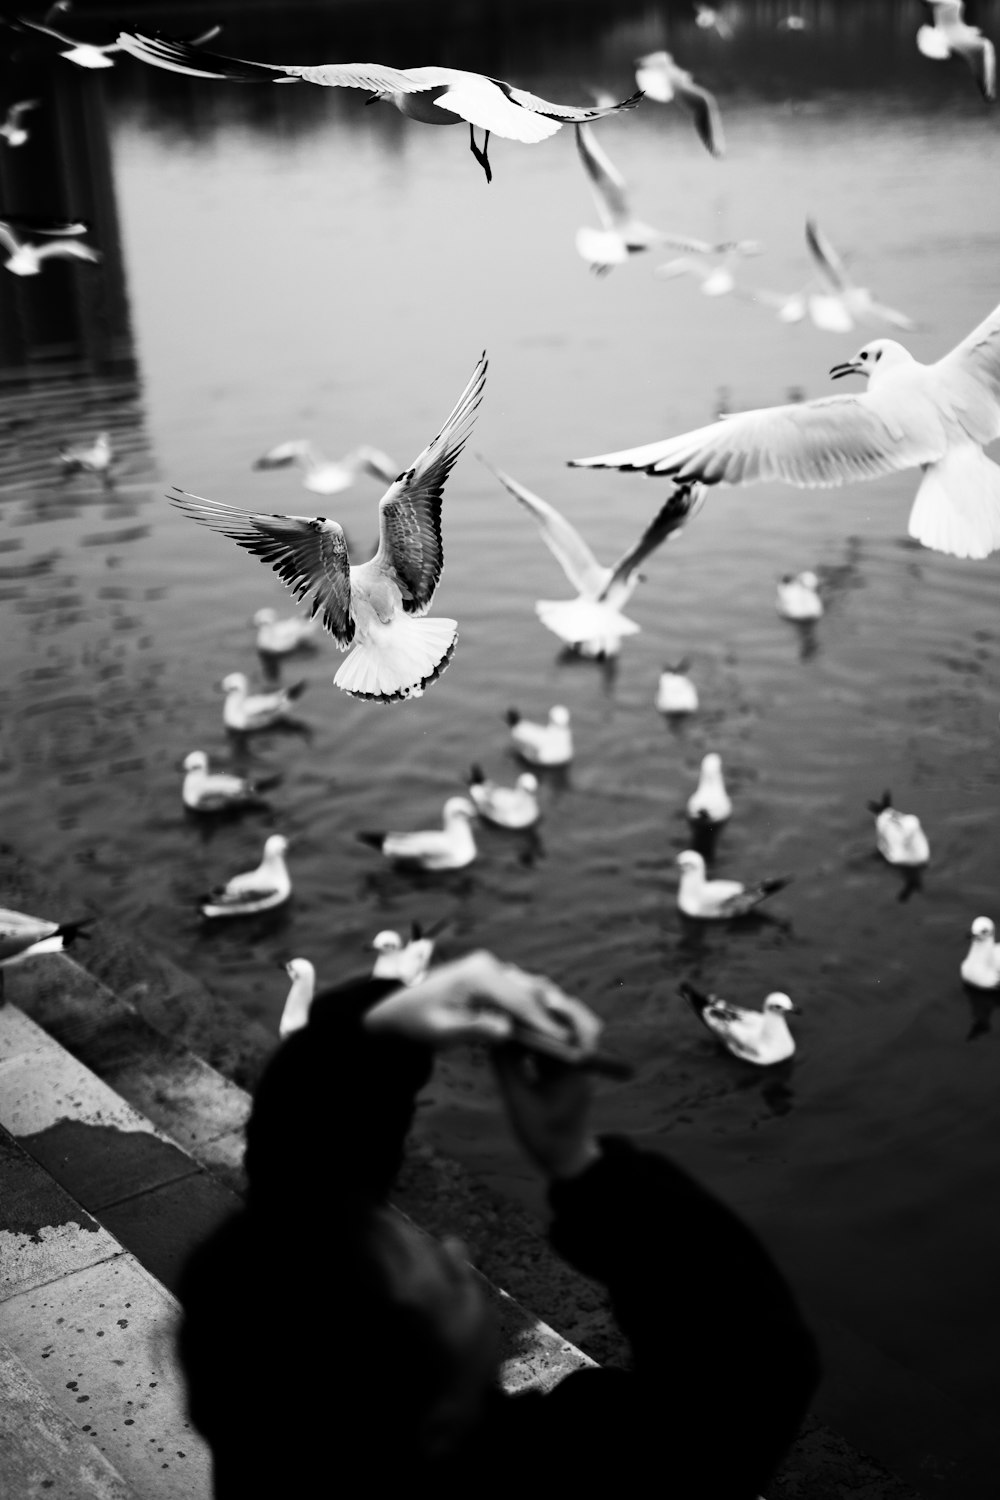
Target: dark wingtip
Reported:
[(70, 930), (880, 807), (476, 777), (297, 688), (416, 932), (374, 840), (694, 997), (513, 717), (778, 883)]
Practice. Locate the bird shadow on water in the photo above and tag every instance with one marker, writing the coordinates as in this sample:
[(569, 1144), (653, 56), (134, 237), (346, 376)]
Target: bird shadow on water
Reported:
[(982, 1004), (808, 638), (239, 738), (607, 666), (388, 885), (248, 929), (704, 837), (694, 934)]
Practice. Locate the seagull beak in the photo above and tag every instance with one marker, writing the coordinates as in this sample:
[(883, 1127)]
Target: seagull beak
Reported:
[(850, 367)]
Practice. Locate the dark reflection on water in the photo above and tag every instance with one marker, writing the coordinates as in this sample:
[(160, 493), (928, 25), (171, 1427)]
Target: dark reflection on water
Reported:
[(299, 265)]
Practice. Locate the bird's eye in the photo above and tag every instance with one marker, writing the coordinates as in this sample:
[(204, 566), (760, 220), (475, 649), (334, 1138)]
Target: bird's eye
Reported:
[(864, 354)]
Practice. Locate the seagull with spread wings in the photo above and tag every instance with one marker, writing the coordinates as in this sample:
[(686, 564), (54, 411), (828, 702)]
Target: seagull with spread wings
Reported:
[(936, 417), (857, 302), (435, 96), (592, 623), (27, 256), (12, 131), (90, 54), (660, 78), (952, 36), (375, 606), (326, 476)]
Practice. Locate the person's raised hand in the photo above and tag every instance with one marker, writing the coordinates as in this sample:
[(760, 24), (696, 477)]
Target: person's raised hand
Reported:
[(480, 999)]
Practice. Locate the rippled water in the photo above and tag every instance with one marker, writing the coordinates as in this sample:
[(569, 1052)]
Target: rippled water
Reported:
[(297, 265)]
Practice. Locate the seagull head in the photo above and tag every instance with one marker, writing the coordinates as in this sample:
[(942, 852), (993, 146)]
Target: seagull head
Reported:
[(275, 846), (559, 716), (458, 807), (265, 617), (299, 968), (982, 928), (808, 580), (711, 764), (527, 782), (779, 1002), (876, 357), (387, 942), (234, 683), (196, 761), (690, 861)]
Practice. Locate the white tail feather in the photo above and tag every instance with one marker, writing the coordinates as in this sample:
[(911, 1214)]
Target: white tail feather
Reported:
[(576, 621), (398, 660), (957, 509)]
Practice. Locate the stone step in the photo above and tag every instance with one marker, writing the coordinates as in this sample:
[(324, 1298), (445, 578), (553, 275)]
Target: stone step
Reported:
[(94, 1332)]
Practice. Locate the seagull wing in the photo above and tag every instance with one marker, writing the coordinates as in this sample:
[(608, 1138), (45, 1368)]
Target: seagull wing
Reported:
[(22, 106), (562, 539), (60, 36), (607, 183), (675, 512), (308, 552), (970, 373), (830, 265), (67, 249), (706, 114), (807, 443), (8, 238), (566, 114), (372, 461), (184, 57), (410, 510)]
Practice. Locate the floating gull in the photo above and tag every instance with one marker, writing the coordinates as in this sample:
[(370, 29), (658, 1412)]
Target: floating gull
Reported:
[(710, 802), (711, 265), (857, 302), (12, 131), (660, 78), (798, 596), (981, 965), (792, 23), (208, 791), (300, 997), (675, 692), (280, 636), (757, 1036), (952, 36), (371, 605), (23, 937), (448, 848), (244, 711), (718, 900), (436, 96), (548, 744), (937, 417), (256, 890), (592, 623), (27, 256), (405, 962), (507, 806), (709, 19), (94, 458), (326, 476), (899, 836)]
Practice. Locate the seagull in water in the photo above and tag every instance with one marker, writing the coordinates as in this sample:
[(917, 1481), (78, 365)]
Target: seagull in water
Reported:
[(12, 131), (593, 623), (757, 1036), (899, 836), (710, 802), (374, 605), (660, 78), (548, 744), (300, 997), (435, 96), (952, 36), (449, 848), (281, 635), (675, 692), (244, 711), (981, 965), (798, 596), (718, 900), (326, 476), (936, 417), (93, 458), (256, 890), (23, 937), (405, 962), (207, 791), (507, 806), (26, 257)]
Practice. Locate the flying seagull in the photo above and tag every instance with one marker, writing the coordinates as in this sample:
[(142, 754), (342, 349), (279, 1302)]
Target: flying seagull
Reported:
[(374, 606), (88, 54), (660, 78), (435, 96), (326, 476), (952, 36), (12, 131), (857, 301), (26, 256), (593, 623), (936, 417)]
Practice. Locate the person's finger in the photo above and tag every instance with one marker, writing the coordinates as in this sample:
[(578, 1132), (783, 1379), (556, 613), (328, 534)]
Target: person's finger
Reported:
[(584, 1026), (490, 1026)]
